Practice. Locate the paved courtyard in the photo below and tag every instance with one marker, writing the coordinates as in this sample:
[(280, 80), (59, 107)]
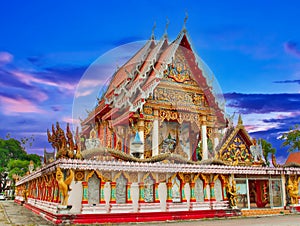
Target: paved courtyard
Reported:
[(13, 214)]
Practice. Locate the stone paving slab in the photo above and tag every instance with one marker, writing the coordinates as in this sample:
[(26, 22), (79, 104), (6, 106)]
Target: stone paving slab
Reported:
[(14, 214)]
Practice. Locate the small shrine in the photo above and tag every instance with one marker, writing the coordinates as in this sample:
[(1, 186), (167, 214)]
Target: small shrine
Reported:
[(158, 146)]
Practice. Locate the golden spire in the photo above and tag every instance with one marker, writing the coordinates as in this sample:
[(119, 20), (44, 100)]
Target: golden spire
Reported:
[(184, 22), (153, 28), (166, 28), (240, 121)]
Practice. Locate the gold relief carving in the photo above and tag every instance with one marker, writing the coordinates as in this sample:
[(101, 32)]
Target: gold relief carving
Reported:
[(215, 177), (165, 114), (205, 177), (90, 175), (148, 125), (107, 176), (161, 177), (79, 175), (148, 111), (133, 177), (180, 116), (178, 70), (187, 178), (209, 131), (178, 97)]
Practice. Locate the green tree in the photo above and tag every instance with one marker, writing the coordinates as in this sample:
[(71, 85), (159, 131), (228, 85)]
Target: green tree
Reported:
[(292, 139), (10, 150), (266, 149), (18, 167)]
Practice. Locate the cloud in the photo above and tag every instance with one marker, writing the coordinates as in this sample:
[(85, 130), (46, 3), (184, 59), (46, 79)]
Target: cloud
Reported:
[(31, 79), (288, 81), (263, 103), (292, 48), (18, 105), (5, 58)]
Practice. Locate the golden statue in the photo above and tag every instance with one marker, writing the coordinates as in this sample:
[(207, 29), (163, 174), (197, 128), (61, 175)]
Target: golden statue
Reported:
[(232, 194), (292, 188), (64, 185)]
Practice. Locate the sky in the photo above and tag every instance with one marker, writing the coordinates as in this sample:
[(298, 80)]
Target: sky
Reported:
[(46, 47)]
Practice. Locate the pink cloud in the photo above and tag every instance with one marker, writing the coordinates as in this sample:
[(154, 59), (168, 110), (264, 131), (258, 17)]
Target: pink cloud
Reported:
[(39, 95), (28, 79), (84, 93), (5, 58), (18, 105)]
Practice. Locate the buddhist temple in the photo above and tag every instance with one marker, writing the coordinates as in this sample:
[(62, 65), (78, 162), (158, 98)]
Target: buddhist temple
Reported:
[(158, 141)]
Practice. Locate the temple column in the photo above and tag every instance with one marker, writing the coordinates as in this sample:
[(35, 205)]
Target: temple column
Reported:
[(193, 198), (56, 193), (212, 192), (84, 192), (205, 187), (156, 192), (128, 187), (283, 180), (169, 192), (113, 192), (183, 198), (204, 140), (225, 184), (141, 192), (102, 184), (155, 133), (216, 138), (141, 129)]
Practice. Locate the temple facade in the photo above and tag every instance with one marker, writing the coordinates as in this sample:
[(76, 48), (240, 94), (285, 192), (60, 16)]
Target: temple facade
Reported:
[(158, 141)]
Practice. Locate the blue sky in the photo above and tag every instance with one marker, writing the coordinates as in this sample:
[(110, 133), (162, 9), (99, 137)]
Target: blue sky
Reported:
[(253, 48)]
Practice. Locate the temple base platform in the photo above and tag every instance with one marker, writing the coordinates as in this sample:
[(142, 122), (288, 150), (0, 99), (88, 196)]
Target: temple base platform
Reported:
[(294, 208), (94, 218)]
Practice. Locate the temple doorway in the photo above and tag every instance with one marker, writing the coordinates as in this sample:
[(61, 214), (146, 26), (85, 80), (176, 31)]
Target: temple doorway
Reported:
[(259, 193)]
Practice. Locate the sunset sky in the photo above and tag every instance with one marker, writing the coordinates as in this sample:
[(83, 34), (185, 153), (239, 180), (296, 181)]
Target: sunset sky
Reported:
[(252, 47)]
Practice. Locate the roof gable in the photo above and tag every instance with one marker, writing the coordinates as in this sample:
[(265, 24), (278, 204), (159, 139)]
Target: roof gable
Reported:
[(235, 147)]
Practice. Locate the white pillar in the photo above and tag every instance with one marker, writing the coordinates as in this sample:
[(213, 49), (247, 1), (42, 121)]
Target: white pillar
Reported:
[(140, 125), (204, 143), (283, 180), (155, 134)]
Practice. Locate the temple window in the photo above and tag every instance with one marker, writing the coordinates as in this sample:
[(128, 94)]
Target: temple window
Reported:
[(121, 190), (149, 189), (93, 189), (176, 190), (199, 192)]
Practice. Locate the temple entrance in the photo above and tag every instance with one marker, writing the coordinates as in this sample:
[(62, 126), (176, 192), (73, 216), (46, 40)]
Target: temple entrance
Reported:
[(259, 193)]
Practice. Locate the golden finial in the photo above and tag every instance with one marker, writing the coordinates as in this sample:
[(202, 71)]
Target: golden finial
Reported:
[(153, 28), (240, 121), (167, 25), (184, 22)]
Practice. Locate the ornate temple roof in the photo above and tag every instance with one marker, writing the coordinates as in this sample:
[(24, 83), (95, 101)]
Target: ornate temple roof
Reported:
[(136, 80), (231, 134), (293, 159)]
